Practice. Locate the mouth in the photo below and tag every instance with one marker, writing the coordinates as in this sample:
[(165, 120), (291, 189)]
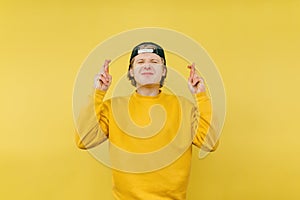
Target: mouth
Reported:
[(147, 73)]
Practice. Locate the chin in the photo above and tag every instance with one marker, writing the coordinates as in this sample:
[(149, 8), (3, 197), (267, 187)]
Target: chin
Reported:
[(149, 84)]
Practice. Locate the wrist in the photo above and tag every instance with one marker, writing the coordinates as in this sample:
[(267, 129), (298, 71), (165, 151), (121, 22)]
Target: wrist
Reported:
[(99, 93), (201, 95)]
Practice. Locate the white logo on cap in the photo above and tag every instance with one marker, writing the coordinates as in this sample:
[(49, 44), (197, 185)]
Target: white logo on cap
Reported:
[(145, 51)]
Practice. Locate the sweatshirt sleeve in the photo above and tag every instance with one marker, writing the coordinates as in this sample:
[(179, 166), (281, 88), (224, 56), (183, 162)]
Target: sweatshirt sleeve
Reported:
[(93, 121), (202, 126)]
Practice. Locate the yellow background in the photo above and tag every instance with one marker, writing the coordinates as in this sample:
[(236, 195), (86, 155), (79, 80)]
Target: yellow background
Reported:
[(255, 45)]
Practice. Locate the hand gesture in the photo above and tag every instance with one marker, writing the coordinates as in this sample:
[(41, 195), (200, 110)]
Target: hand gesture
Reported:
[(195, 82), (103, 79)]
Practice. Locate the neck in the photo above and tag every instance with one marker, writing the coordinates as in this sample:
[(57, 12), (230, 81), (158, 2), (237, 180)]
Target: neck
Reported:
[(148, 90)]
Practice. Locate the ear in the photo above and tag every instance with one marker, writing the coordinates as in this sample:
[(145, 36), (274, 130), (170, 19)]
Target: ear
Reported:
[(164, 72), (131, 72)]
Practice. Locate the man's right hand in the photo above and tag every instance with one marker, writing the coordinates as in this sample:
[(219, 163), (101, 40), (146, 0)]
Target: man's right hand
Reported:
[(103, 79)]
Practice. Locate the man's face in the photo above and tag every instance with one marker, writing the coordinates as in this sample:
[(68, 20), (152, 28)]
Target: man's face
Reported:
[(147, 69)]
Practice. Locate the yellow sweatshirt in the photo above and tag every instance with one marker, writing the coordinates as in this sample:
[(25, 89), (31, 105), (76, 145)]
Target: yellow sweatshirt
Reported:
[(150, 141)]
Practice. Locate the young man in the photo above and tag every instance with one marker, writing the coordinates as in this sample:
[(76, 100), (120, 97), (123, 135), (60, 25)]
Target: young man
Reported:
[(150, 133)]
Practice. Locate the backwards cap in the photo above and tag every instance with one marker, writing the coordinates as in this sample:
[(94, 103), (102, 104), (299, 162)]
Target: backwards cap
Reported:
[(148, 47)]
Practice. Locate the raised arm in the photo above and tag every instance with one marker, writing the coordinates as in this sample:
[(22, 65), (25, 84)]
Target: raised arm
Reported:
[(92, 124), (203, 128)]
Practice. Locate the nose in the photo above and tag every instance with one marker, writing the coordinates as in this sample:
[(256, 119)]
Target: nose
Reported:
[(147, 66)]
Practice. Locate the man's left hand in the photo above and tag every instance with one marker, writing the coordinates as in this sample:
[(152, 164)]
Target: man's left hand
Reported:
[(195, 82)]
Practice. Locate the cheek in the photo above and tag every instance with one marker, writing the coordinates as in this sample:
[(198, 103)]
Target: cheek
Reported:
[(134, 72), (160, 70)]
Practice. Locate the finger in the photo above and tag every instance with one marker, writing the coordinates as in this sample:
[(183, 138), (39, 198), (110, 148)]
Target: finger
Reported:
[(106, 70), (106, 63), (192, 69), (106, 67), (196, 81), (106, 77), (109, 78), (192, 75), (201, 80), (103, 80)]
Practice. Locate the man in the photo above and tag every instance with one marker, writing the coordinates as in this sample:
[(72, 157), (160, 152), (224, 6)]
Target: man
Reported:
[(150, 133)]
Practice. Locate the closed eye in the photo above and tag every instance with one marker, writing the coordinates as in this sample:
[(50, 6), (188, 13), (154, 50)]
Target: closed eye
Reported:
[(140, 61), (154, 61)]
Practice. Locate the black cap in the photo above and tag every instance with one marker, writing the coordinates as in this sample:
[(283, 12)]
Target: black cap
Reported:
[(148, 47)]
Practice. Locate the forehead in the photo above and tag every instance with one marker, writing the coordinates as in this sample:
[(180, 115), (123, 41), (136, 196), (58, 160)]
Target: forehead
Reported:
[(147, 56)]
